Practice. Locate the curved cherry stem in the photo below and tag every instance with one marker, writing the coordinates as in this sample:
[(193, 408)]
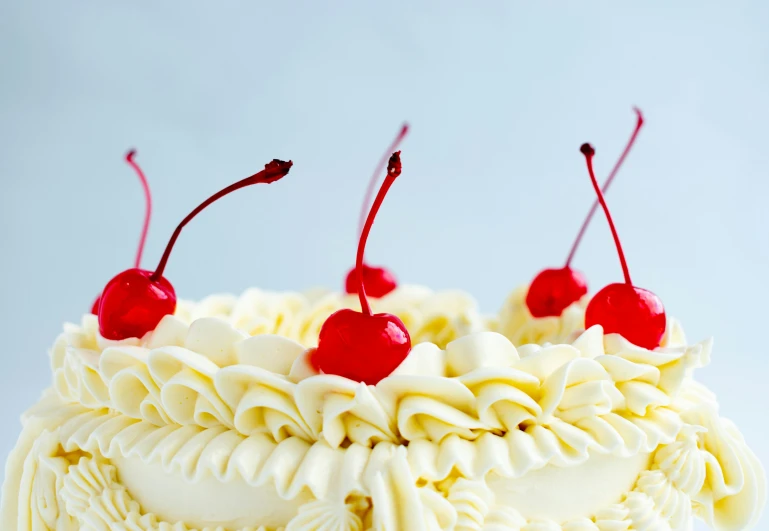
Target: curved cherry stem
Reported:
[(393, 171), (607, 184), (375, 176), (588, 151), (147, 202), (273, 171)]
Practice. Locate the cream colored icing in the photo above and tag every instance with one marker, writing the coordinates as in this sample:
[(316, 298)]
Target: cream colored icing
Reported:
[(566, 494), (68, 478), (233, 506), (201, 409), (478, 384)]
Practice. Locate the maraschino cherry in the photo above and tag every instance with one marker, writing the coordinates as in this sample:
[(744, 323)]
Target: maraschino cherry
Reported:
[(554, 290), (634, 313), (135, 301), (358, 345), (147, 216), (377, 280)]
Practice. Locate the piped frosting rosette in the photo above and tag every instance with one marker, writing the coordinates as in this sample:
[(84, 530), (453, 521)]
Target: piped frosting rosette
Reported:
[(460, 437)]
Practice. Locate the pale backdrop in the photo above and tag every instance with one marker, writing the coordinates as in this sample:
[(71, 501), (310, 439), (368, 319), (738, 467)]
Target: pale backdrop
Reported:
[(500, 95)]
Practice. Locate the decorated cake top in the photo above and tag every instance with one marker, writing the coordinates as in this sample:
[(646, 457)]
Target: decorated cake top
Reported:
[(225, 388), (196, 365), (388, 406)]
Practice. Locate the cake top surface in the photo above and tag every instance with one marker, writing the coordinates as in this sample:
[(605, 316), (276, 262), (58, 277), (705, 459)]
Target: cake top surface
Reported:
[(231, 377), (197, 365)]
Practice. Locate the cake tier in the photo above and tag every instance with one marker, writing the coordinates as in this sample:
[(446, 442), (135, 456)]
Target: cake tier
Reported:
[(204, 425)]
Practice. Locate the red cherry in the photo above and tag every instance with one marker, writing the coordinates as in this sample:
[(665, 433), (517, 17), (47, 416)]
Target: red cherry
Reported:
[(554, 290), (362, 347), (358, 345), (135, 301), (378, 280), (634, 313), (147, 216)]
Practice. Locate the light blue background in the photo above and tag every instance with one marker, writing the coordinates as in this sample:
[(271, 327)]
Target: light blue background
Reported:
[(500, 96)]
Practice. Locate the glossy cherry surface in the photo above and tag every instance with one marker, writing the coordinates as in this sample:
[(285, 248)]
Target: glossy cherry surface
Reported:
[(147, 217), (554, 290), (362, 346), (379, 281), (635, 313), (135, 301)]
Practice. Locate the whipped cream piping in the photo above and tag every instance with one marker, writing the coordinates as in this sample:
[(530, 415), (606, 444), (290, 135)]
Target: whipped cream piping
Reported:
[(194, 452), (492, 388), (199, 397), (423, 486)]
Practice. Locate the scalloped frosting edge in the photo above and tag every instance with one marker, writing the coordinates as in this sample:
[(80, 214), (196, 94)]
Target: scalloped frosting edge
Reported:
[(479, 384), (701, 467)]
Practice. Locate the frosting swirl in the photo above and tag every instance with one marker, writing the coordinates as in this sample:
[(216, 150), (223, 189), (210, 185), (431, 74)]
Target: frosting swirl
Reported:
[(209, 374)]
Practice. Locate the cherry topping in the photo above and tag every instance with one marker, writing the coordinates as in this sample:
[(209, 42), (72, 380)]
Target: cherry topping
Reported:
[(358, 345), (135, 301), (378, 280), (147, 216), (554, 290), (621, 308)]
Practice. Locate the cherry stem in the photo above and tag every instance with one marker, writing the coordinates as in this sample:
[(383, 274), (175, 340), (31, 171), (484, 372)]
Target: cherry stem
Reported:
[(273, 171), (606, 185), (588, 151), (375, 177), (393, 171), (147, 202)]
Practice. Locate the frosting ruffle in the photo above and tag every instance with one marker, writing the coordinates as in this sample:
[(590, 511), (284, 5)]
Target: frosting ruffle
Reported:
[(67, 480), (479, 384)]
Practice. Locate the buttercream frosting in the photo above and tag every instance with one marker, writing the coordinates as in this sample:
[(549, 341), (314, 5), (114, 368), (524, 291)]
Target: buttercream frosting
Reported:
[(217, 421)]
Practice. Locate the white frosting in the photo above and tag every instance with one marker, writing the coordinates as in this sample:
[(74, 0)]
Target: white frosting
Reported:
[(479, 384), (570, 493), (217, 421), (235, 505)]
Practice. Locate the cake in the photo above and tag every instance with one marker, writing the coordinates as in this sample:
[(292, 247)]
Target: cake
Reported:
[(216, 420), (411, 411)]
